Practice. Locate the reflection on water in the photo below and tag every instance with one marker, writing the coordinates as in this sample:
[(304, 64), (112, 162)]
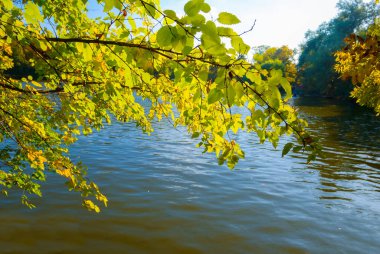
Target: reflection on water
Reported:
[(168, 197), (351, 138)]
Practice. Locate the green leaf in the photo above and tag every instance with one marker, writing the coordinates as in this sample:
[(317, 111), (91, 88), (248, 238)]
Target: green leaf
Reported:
[(254, 77), (186, 50), (239, 91), (221, 160), (214, 96), (296, 149), (43, 45), (87, 53), (287, 87), (311, 157), (197, 94), (203, 75), (238, 44), (197, 20), (215, 49), (287, 148), (195, 135), (228, 18), (170, 14), (226, 31), (205, 8), (110, 4), (193, 7), (164, 36), (151, 10), (211, 30), (276, 74), (125, 34), (275, 98), (232, 161), (211, 40), (132, 23), (179, 43), (8, 4), (32, 14), (231, 93)]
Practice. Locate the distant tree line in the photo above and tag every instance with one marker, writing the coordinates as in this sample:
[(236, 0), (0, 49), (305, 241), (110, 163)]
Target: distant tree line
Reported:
[(317, 76)]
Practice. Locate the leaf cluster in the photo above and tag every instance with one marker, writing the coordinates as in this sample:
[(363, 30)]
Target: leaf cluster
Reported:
[(92, 71), (360, 61)]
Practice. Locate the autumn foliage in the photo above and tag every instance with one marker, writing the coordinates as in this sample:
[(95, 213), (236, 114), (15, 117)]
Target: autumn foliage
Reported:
[(91, 71)]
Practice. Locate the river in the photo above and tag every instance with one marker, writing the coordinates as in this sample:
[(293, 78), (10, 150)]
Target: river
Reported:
[(167, 197)]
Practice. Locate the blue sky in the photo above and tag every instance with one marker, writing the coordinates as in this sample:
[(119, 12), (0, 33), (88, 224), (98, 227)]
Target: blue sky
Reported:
[(278, 22)]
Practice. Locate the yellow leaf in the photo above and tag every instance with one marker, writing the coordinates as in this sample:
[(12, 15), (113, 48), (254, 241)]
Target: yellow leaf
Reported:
[(64, 172)]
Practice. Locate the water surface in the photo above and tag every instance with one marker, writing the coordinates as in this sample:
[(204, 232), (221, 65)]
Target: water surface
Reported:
[(167, 197)]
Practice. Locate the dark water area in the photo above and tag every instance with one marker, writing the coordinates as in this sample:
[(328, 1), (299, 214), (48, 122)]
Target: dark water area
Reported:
[(167, 197)]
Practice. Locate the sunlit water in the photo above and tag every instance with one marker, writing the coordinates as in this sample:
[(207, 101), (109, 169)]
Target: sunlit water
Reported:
[(167, 197)]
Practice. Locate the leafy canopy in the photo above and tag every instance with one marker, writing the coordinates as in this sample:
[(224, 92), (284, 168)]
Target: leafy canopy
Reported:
[(277, 58), (360, 61), (89, 71), (316, 61)]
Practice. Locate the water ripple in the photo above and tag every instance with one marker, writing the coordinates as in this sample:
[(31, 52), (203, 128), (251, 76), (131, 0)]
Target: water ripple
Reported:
[(168, 197)]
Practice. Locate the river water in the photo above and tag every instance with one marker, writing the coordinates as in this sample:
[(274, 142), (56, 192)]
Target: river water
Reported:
[(167, 197)]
